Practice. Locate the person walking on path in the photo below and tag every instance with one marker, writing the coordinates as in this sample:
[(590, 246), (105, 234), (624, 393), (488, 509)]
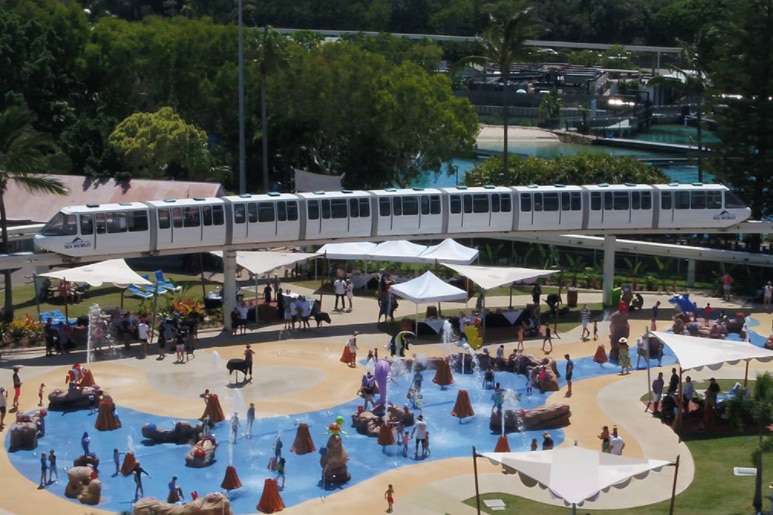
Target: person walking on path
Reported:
[(250, 418), (727, 283), (248, 354), (654, 319), (349, 294), (3, 405), (520, 338), (43, 470), (352, 344), (138, 471), (657, 391), (568, 374), (604, 436), (16, 387), (767, 294), (52, 470), (673, 382), (616, 443), (389, 495), (536, 292), (339, 287), (624, 357), (595, 330), (547, 340), (585, 319), (142, 334)]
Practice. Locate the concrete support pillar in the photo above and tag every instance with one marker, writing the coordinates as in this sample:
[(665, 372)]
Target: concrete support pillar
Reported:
[(691, 273), (609, 269), (229, 287)]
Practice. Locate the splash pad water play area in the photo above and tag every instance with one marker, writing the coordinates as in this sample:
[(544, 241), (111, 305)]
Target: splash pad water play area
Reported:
[(451, 436)]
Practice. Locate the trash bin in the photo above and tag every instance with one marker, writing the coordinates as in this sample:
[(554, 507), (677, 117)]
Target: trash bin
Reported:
[(571, 297), (617, 294)]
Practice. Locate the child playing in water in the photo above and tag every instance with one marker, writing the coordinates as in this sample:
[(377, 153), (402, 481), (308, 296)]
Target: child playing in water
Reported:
[(280, 471), (426, 445), (529, 381), (117, 461), (595, 330), (547, 340), (406, 441), (41, 390)]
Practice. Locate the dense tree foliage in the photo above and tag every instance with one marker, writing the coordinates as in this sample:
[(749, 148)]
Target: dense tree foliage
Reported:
[(584, 168)]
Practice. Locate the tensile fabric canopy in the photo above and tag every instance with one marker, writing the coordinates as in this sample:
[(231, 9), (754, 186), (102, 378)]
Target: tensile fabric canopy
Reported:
[(488, 277), (695, 352), (449, 251), (427, 289), (113, 271)]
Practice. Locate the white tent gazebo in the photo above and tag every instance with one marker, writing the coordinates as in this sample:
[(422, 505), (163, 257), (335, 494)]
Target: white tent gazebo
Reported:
[(428, 289), (574, 474), (350, 250), (449, 251), (402, 251)]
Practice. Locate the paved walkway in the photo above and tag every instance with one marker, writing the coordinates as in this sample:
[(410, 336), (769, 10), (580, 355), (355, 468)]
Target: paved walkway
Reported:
[(312, 357)]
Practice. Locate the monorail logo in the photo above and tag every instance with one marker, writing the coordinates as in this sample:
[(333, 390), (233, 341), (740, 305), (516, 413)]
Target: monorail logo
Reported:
[(724, 215), (77, 243)]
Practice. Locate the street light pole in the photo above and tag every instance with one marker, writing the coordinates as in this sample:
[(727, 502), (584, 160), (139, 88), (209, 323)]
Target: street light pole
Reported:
[(242, 157)]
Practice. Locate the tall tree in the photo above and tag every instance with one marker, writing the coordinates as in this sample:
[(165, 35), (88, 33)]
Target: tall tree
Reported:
[(271, 51), (502, 45), (743, 68), (24, 153)]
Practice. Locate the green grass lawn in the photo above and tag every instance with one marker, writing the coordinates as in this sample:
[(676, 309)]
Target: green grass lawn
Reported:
[(714, 490)]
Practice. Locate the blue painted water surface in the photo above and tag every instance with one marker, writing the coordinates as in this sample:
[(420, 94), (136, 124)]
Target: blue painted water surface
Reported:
[(448, 438)]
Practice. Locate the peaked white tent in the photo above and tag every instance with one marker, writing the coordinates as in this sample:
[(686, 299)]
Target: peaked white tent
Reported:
[(488, 277), (263, 262), (350, 250), (694, 352), (575, 474), (114, 271), (449, 251), (402, 251), (428, 289)]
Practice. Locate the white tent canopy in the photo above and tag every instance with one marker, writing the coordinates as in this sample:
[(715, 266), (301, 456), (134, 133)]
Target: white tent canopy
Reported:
[(694, 353), (402, 251), (449, 251), (427, 289), (575, 474), (263, 262), (114, 271), (350, 250), (490, 277)]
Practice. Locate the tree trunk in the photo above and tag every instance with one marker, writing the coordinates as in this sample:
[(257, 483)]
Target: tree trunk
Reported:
[(264, 126)]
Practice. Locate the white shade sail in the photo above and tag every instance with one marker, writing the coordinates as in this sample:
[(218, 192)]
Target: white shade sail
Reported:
[(428, 289), (449, 251), (694, 352), (113, 271), (398, 250), (488, 277), (263, 262), (350, 250), (575, 474)]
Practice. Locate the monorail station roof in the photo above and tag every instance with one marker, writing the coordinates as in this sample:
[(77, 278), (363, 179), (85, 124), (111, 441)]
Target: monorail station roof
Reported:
[(25, 207)]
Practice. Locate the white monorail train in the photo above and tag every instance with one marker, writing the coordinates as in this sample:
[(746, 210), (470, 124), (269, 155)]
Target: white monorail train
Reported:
[(283, 218)]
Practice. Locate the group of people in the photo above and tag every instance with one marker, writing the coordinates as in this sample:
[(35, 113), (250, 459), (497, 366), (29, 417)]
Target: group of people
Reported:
[(611, 443), (297, 310)]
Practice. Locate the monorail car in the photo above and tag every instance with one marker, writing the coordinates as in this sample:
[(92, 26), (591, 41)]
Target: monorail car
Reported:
[(286, 218)]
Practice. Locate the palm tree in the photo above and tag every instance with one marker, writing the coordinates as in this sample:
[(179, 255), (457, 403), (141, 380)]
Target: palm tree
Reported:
[(271, 56), (23, 154), (502, 45), (758, 409)]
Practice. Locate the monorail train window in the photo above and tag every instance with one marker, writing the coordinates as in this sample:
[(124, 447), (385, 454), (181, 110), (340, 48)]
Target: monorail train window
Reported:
[(87, 224), (137, 220), (281, 211), (635, 200), (525, 202), (467, 203), (338, 208), (101, 224), (456, 204), (622, 202), (397, 206), (240, 214), (714, 199), (177, 217), (733, 202), (163, 218), (682, 200), (430, 204), (571, 201), (537, 198), (292, 211), (192, 217), (505, 202), (595, 200), (665, 200), (384, 206), (359, 207), (411, 205), (313, 209), (550, 201), (495, 203), (641, 200), (116, 222), (609, 202), (698, 200), (365, 207), (252, 212), (61, 225), (266, 212), (218, 215), (480, 203)]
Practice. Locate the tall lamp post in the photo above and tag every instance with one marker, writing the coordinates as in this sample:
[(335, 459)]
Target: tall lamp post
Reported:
[(242, 157)]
